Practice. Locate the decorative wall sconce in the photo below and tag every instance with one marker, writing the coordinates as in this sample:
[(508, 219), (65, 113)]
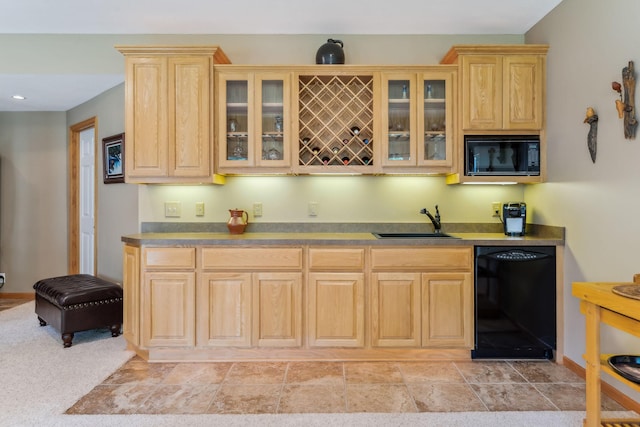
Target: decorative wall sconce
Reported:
[(626, 105), (592, 137)]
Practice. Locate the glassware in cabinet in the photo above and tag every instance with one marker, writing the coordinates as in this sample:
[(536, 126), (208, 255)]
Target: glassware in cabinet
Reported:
[(435, 136), (398, 120), (254, 129), (273, 123), (235, 144)]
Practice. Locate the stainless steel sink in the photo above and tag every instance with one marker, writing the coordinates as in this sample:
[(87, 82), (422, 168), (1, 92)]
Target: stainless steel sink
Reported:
[(412, 235)]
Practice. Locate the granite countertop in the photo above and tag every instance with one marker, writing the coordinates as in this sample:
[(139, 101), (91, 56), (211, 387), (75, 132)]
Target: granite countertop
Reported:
[(334, 238), (202, 234)]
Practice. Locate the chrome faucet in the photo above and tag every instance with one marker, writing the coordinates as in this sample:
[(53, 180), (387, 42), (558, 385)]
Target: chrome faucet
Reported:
[(437, 226)]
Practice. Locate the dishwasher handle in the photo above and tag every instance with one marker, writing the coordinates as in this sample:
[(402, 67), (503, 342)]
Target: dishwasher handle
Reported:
[(517, 255)]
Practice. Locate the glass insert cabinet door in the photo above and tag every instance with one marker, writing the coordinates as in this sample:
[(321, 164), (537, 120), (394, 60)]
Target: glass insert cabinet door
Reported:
[(273, 126), (435, 124), (255, 119), (399, 120), (417, 121), (236, 149)]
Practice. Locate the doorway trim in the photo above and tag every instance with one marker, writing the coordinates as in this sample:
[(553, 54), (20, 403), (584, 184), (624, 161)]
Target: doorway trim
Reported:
[(73, 208)]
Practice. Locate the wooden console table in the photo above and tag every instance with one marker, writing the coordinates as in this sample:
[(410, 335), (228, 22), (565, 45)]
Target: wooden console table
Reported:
[(600, 304)]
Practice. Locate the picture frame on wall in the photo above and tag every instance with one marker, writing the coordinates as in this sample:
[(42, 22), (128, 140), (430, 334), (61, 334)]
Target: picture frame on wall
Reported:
[(113, 158)]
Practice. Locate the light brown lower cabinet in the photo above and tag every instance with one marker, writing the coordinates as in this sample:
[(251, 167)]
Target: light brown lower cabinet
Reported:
[(169, 309), (422, 310), (247, 309), (395, 309), (224, 305), (131, 294), (431, 307), (277, 309), (167, 300), (250, 297), (221, 302), (447, 310), (336, 309), (336, 297)]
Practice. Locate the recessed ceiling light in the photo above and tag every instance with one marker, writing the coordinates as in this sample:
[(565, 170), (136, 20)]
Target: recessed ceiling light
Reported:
[(20, 97)]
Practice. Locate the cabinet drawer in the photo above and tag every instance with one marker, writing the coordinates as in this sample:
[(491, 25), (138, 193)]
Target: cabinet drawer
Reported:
[(336, 259), (433, 258), (168, 258), (252, 258)]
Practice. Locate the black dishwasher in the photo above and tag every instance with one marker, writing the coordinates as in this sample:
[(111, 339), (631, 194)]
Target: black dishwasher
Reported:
[(515, 302)]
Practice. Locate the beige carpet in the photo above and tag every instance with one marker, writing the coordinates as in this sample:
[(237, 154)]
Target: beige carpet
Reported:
[(40, 380)]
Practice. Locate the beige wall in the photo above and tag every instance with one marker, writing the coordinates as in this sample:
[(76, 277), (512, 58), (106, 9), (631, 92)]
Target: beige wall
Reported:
[(340, 199), (591, 41), (33, 198), (117, 204), (95, 54)]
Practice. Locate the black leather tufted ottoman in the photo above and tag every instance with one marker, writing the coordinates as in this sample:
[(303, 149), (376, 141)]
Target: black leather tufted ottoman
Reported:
[(78, 302)]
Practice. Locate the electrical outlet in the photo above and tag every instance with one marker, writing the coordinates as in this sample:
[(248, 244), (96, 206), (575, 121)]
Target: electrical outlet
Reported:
[(199, 208), (313, 208), (495, 209), (2, 279), (257, 209), (172, 209)]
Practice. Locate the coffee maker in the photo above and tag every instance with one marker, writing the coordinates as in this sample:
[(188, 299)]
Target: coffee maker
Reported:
[(514, 218)]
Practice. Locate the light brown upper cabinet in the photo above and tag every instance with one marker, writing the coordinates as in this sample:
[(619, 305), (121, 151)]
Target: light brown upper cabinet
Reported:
[(253, 120), (321, 119), (360, 119), (169, 113), (503, 86), (417, 120)]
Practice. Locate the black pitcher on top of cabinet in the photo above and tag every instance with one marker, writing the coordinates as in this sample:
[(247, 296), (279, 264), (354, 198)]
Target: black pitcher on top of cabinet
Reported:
[(330, 53)]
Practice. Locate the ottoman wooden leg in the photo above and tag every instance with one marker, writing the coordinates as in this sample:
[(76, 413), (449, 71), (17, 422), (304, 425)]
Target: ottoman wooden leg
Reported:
[(115, 330), (66, 339)]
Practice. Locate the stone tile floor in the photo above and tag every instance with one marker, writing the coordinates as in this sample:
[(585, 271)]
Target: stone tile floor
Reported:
[(139, 387)]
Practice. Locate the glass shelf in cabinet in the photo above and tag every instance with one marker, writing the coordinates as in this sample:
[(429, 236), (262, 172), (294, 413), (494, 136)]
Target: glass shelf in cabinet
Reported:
[(399, 156), (398, 135), (237, 111), (399, 108), (237, 104), (271, 107)]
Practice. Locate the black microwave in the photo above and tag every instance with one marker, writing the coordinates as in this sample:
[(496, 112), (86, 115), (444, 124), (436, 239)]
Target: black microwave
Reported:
[(487, 155)]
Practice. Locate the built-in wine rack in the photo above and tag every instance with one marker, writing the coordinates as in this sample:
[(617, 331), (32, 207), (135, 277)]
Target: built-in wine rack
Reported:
[(335, 114)]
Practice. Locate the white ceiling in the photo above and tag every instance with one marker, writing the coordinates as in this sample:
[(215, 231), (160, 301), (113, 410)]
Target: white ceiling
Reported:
[(60, 92)]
